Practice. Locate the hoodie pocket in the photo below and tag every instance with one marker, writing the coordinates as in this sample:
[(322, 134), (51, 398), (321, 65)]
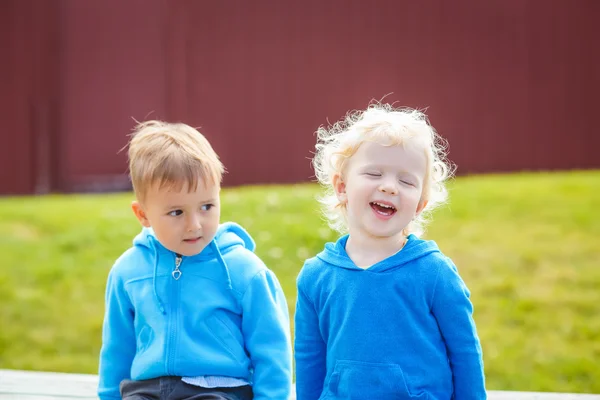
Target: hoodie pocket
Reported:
[(144, 338), (354, 380), (228, 335)]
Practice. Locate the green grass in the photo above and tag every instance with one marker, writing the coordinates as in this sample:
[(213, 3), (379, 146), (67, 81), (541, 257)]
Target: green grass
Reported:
[(528, 246)]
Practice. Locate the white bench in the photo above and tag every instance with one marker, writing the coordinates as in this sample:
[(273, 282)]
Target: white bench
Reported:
[(30, 385)]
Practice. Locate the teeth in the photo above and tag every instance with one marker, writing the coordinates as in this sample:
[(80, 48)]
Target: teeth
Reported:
[(383, 205)]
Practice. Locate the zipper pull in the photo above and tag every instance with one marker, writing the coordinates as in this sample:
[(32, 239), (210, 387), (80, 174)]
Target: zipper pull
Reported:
[(176, 272)]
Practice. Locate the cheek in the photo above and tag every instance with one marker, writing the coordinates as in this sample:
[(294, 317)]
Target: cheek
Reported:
[(415, 197), (213, 220), (360, 189), (212, 223), (210, 226), (164, 226)]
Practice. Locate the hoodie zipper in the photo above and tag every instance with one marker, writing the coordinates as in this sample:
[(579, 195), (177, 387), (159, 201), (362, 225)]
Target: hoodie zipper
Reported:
[(171, 345), (176, 272)]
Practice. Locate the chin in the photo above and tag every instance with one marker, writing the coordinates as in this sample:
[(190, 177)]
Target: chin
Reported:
[(191, 253), (382, 234)]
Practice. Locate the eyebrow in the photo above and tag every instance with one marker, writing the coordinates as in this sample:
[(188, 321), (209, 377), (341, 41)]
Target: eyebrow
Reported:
[(202, 202), (380, 166), (410, 175)]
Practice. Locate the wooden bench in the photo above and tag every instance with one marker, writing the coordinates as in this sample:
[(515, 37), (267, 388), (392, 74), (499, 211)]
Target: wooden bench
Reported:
[(29, 385)]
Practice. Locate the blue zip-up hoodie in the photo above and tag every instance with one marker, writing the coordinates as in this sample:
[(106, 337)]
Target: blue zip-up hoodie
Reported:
[(226, 315), (401, 329)]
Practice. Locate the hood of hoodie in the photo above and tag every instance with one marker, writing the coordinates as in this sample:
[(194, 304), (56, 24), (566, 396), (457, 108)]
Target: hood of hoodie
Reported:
[(229, 235), (415, 248)]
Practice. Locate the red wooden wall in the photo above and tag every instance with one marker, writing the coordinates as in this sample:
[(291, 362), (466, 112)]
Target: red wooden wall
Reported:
[(512, 84)]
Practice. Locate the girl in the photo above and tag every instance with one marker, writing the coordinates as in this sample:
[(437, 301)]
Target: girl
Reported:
[(381, 313)]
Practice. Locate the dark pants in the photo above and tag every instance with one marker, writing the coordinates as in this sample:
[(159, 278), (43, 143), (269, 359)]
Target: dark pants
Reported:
[(173, 388)]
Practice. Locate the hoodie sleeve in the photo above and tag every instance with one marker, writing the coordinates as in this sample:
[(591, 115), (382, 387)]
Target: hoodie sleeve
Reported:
[(310, 350), (454, 314), (118, 339), (266, 329)]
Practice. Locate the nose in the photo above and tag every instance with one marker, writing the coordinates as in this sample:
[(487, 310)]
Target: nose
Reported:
[(388, 187), (193, 223)]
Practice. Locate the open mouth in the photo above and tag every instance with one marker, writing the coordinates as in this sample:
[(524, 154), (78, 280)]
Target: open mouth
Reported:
[(383, 208)]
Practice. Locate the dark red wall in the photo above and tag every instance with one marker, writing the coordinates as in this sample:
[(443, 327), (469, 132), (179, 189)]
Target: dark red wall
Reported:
[(512, 84), (112, 71), (16, 173)]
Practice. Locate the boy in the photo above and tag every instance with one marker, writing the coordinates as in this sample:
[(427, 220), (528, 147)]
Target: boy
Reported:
[(191, 311)]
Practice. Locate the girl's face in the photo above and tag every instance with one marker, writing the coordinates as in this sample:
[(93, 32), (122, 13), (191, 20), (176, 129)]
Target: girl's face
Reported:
[(382, 188)]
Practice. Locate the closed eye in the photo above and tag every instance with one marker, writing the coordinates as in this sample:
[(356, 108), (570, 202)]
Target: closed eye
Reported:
[(175, 213), (407, 183), (375, 174)]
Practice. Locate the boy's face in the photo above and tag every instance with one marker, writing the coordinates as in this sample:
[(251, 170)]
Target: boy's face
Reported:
[(183, 221), (382, 189)]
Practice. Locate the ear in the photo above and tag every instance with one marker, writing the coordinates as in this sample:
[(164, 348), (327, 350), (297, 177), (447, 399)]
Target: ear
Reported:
[(339, 187), (140, 214), (421, 206)]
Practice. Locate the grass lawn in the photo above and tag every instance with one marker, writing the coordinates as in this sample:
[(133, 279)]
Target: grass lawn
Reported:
[(527, 245)]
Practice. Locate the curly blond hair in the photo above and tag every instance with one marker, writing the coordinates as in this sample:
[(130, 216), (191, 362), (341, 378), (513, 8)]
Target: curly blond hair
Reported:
[(388, 126)]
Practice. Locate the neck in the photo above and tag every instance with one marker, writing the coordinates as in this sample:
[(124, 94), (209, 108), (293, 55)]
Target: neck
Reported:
[(365, 250)]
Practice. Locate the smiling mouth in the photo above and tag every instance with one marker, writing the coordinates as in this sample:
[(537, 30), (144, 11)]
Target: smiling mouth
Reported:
[(383, 208)]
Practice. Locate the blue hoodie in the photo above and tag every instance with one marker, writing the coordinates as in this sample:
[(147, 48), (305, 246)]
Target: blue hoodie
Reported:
[(401, 329), (226, 315)]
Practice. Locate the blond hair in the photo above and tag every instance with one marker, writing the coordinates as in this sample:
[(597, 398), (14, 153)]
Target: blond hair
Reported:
[(171, 154), (388, 126)]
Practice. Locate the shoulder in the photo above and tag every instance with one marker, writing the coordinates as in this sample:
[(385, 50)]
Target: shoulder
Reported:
[(442, 264), (134, 263), (310, 272), (244, 265), (431, 265), (428, 254), (447, 278)]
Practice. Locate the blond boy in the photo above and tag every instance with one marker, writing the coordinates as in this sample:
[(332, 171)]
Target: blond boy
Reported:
[(191, 311)]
